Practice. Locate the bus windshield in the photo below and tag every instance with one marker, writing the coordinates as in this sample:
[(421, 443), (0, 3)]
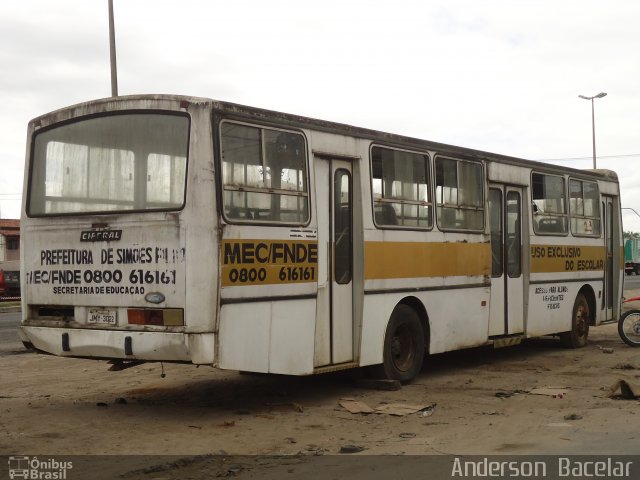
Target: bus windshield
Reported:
[(121, 162)]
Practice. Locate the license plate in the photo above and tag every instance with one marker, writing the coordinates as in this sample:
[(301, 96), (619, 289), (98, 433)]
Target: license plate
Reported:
[(107, 317)]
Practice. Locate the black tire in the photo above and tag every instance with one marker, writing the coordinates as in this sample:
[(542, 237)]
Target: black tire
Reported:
[(629, 328), (403, 346), (580, 320)]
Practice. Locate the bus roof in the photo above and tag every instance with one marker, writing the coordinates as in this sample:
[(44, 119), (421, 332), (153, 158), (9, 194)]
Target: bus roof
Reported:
[(176, 102)]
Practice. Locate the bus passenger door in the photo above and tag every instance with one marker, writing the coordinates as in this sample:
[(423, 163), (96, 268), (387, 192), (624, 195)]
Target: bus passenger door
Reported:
[(334, 329), (611, 239), (507, 286)]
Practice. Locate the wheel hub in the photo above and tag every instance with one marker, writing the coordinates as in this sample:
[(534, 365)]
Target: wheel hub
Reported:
[(582, 315), (402, 349)]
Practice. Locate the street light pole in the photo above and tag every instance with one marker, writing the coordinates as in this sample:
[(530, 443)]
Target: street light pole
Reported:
[(593, 122), (112, 52)]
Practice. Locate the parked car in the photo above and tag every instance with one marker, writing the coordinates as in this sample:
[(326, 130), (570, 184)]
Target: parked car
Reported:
[(9, 283)]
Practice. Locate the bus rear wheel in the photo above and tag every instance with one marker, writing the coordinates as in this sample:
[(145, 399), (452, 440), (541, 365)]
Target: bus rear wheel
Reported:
[(403, 345), (577, 336)]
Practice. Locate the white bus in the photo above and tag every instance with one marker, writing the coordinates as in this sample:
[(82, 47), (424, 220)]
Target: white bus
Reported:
[(170, 228)]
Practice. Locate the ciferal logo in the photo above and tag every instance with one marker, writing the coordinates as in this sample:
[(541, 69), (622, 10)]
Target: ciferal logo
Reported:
[(33, 468), (100, 235)]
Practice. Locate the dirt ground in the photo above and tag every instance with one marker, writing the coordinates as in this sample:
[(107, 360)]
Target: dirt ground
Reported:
[(483, 405)]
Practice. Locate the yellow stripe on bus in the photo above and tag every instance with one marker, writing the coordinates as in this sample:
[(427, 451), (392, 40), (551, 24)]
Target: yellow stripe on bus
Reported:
[(386, 260), (566, 258)]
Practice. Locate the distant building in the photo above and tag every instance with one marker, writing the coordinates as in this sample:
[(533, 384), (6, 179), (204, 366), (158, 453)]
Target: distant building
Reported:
[(9, 240)]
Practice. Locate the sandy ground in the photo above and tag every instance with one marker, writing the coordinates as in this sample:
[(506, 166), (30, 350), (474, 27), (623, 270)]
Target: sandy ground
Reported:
[(483, 405)]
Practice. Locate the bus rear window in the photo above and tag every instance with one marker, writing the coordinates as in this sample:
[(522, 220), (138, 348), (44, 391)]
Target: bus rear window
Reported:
[(121, 162)]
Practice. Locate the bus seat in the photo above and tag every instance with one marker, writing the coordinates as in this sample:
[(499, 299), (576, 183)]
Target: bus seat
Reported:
[(238, 213), (386, 215)]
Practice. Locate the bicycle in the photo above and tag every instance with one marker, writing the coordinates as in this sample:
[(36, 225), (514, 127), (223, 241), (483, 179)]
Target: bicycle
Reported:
[(629, 325)]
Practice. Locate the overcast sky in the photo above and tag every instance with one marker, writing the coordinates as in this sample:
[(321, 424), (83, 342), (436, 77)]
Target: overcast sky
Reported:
[(501, 76)]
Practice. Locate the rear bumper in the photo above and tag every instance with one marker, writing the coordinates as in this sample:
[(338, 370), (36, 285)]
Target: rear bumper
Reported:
[(197, 348)]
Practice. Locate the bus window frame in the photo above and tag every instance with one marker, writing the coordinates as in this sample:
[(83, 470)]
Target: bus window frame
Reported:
[(384, 200), (583, 217), (484, 194), (339, 265), (565, 215), (112, 113), (217, 122)]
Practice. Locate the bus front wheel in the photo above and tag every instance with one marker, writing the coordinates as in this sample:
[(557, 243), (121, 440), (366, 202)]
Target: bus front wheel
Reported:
[(403, 345), (577, 336)]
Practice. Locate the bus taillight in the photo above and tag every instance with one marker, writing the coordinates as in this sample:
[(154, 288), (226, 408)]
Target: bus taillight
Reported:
[(168, 317)]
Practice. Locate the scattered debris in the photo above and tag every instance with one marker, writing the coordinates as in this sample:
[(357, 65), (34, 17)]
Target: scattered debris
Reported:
[(265, 415), (402, 409), (491, 412), (627, 390), (354, 406), (407, 435), (101, 404), (195, 426), (293, 405), (119, 365), (231, 470), (227, 423), (120, 401), (351, 449), (509, 393), (573, 416), (624, 366), (428, 411), (605, 349), (378, 384), (397, 409), (291, 440), (313, 450), (555, 392)]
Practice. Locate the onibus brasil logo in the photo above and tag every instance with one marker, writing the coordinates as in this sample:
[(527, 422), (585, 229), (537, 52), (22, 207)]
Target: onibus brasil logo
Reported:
[(33, 468)]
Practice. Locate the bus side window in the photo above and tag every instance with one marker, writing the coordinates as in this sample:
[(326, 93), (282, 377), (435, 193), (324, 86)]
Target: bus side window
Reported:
[(548, 203), (459, 194), (400, 188), (264, 174)]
